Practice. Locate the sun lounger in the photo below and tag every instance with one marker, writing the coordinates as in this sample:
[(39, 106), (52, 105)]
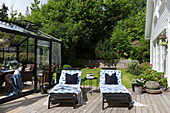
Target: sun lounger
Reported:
[(68, 89), (112, 89)]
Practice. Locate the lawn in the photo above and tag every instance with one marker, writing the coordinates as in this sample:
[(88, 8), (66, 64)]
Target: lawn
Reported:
[(126, 77)]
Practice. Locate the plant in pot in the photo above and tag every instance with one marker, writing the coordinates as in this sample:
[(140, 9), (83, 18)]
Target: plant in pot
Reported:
[(45, 68), (138, 85), (154, 81)]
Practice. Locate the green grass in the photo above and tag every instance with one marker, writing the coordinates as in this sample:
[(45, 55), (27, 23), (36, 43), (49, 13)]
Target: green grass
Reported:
[(126, 77), (90, 70)]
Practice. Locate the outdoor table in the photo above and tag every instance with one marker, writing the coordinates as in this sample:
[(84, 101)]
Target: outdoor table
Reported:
[(90, 83)]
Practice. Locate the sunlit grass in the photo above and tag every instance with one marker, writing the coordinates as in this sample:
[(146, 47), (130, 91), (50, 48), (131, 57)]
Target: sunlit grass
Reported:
[(126, 77)]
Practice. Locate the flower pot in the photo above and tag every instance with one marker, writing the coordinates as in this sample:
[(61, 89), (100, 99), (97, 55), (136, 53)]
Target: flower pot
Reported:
[(43, 89), (138, 89)]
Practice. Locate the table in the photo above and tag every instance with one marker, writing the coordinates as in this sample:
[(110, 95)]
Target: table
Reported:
[(90, 83)]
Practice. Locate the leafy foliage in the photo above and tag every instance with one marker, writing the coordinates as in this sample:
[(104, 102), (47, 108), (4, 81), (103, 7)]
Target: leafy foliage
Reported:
[(66, 66), (3, 12), (134, 67), (153, 75), (107, 50), (85, 25), (80, 24), (129, 35)]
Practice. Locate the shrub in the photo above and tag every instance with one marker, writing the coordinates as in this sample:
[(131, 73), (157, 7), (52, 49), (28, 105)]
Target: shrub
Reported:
[(66, 66), (134, 67), (146, 65), (153, 75)]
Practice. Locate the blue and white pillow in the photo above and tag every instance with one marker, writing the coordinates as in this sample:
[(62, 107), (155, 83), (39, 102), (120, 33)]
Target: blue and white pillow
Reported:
[(71, 72), (110, 72)]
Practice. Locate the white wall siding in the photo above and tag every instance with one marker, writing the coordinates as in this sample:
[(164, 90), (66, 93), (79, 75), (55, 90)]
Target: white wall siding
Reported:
[(168, 56), (160, 14), (161, 22)]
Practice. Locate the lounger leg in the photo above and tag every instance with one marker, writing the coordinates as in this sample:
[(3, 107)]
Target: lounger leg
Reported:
[(49, 102), (74, 104), (103, 103), (130, 105)]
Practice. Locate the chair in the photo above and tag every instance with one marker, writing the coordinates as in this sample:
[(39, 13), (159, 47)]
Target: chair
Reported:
[(7, 82), (27, 74), (68, 89), (46, 74), (112, 89), (16, 83)]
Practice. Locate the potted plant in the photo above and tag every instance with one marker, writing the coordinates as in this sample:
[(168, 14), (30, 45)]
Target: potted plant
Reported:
[(138, 85), (44, 66)]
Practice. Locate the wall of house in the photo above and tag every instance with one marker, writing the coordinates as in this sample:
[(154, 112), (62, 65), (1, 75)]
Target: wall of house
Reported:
[(159, 24), (168, 55), (159, 54)]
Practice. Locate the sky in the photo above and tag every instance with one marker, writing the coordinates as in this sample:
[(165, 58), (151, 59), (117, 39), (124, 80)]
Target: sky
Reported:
[(19, 5)]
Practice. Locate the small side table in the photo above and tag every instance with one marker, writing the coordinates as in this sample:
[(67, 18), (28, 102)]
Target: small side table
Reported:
[(90, 83)]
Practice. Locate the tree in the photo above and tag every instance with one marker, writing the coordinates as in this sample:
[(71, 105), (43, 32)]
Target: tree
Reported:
[(107, 50), (35, 6), (82, 24), (129, 34), (20, 16), (13, 15), (27, 11), (116, 10), (3, 12)]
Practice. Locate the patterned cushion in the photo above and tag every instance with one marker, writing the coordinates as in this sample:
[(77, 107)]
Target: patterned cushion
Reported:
[(65, 88), (112, 88), (71, 72), (110, 72)]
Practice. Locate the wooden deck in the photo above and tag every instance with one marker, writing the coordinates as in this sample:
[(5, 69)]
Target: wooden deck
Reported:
[(35, 103)]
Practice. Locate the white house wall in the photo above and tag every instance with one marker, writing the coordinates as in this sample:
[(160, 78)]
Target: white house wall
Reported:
[(168, 55), (159, 24)]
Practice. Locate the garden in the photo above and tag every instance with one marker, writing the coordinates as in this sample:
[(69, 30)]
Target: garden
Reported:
[(87, 30), (135, 75)]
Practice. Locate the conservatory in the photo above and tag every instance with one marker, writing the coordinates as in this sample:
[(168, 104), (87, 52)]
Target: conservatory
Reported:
[(29, 59)]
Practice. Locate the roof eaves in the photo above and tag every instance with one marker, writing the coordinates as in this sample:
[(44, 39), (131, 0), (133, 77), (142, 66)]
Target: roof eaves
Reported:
[(149, 16)]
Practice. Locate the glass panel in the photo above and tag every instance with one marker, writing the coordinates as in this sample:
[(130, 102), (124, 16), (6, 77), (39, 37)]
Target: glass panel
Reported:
[(26, 58), (6, 65), (10, 83), (56, 59), (43, 62)]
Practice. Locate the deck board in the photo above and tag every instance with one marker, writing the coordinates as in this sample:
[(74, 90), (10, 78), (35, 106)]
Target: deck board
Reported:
[(155, 106), (35, 103), (144, 109), (167, 108)]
